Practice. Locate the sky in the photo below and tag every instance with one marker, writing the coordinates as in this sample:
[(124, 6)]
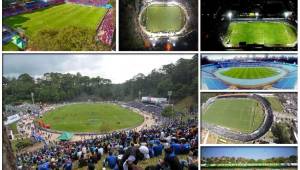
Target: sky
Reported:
[(117, 68), (249, 152), (230, 56)]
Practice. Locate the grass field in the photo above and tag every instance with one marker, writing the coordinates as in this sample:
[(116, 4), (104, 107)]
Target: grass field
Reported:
[(275, 104), (265, 33), (10, 47), (92, 118), (243, 115), (59, 16), (14, 128), (162, 18), (250, 72)]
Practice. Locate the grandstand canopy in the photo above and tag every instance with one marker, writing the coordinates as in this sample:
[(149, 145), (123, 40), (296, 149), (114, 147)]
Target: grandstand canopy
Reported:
[(65, 136)]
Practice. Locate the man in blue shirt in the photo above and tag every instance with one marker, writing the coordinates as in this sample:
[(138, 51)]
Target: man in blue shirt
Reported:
[(176, 148), (158, 149), (68, 165), (112, 161)]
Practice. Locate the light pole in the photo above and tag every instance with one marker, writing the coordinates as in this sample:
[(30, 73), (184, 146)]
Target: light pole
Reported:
[(229, 15), (169, 94), (32, 97)]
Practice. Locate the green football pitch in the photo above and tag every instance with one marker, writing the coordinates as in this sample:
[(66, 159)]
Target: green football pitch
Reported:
[(242, 115), (96, 117), (59, 16), (250, 72), (270, 34), (163, 18)]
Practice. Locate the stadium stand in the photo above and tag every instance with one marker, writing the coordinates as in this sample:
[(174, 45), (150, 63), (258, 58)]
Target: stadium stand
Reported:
[(19, 8), (173, 136), (98, 3), (16, 8), (211, 82), (106, 29)]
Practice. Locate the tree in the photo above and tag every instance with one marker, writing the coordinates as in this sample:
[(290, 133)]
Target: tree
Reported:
[(58, 87), (281, 132), (168, 112)]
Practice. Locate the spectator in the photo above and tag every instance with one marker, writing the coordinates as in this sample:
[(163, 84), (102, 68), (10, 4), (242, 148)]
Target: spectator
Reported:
[(111, 161)]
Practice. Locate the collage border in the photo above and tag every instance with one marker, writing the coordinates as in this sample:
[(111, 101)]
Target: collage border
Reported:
[(199, 52)]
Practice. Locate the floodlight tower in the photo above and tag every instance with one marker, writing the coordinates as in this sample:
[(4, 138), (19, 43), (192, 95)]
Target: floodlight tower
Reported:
[(169, 94), (140, 93), (287, 14), (32, 97), (256, 15)]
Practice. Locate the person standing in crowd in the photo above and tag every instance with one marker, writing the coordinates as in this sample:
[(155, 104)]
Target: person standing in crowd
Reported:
[(111, 161)]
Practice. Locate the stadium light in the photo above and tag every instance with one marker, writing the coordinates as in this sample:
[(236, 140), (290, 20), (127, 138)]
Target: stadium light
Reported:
[(256, 14), (229, 15), (287, 14), (153, 41)]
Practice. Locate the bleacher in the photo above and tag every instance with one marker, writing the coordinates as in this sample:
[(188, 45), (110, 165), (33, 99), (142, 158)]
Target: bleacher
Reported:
[(16, 9), (106, 29), (288, 82), (210, 81)]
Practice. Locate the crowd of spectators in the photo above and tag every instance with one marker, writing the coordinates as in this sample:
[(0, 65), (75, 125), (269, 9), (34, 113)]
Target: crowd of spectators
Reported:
[(17, 8), (106, 29), (121, 150), (90, 2)]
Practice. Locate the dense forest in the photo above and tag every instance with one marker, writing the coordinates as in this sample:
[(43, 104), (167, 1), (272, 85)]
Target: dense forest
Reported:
[(181, 78), (225, 160)]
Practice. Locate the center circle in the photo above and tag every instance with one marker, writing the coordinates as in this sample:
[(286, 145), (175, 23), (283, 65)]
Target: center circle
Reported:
[(91, 117)]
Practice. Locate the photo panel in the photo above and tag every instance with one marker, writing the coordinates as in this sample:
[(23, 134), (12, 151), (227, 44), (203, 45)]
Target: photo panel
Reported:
[(249, 157), (249, 71), (104, 111), (249, 118)]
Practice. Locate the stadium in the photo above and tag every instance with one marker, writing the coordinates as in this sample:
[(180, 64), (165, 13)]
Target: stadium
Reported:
[(249, 25), (161, 25), (173, 15), (94, 124), (249, 75), (73, 121), (239, 117), (24, 22)]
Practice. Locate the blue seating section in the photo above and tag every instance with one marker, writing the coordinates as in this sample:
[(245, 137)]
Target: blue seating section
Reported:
[(287, 82)]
